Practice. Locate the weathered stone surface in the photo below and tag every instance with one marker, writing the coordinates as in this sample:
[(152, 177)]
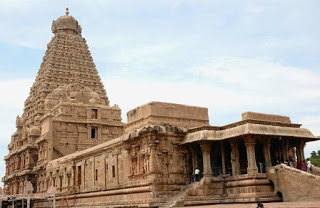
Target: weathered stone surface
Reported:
[(265, 117), (159, 113), (294, 184)]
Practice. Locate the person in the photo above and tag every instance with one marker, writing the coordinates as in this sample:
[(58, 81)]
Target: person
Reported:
[(197, 174), (304, 166), (298, 164), (291, 163), (309, 166)]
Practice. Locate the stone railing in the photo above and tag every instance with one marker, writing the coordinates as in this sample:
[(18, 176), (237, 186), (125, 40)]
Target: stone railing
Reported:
[(315, 170), (295, 184), (283, 167)]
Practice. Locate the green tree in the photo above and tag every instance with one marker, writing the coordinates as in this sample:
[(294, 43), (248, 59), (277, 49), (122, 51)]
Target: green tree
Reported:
[(314, 154), (315, 158)]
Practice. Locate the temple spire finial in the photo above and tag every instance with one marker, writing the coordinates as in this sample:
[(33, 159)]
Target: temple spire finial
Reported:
[(67, 9)]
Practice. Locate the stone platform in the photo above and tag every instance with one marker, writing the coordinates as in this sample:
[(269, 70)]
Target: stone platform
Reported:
[(315, 204)]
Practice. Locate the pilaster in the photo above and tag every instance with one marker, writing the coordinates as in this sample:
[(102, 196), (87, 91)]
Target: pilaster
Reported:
[(153, 159)]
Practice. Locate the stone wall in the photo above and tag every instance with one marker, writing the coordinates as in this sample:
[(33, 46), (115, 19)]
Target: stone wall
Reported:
[(146, 166)]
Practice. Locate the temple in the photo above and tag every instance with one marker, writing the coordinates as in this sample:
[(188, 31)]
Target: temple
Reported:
[(69, 142)]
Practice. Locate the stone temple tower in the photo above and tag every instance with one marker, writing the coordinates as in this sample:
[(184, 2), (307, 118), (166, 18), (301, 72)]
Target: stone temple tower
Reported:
[(67, 109)]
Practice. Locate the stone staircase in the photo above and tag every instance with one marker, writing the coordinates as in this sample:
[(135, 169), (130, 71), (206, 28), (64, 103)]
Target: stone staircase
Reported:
[(314, 204), (177, 200), (315, 170), (295, 184)]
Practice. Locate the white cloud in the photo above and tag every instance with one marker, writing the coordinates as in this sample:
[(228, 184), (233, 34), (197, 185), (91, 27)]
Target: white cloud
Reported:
[(14, 92), (312, 122), (228, 84), (264, 77), (145, 54)]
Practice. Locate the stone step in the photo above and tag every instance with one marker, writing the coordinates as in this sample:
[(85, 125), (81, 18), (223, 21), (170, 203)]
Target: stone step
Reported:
[(207, 200), (315, 204), (176, 200)]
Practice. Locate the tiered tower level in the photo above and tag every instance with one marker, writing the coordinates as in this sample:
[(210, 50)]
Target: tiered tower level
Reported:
[(67, 109)]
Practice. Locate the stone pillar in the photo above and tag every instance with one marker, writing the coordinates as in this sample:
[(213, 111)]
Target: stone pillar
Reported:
[(285, 147), (266, 152), (223, 160), (117, 168), (235, 158), (28, 202), (153, 159), (196, 159), (49, 147), (295, 154), (93, 171), (301, 149), (193, 157), (206, 148), (298, 151), (251, 156)]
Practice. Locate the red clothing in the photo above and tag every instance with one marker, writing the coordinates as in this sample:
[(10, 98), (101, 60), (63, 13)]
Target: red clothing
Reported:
[(304, 166), (298, 164)]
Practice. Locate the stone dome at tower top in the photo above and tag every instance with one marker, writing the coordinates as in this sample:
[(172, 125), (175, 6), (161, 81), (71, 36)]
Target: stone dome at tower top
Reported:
[(66, 24)]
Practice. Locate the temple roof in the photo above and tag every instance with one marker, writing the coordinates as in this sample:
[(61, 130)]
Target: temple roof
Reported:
[(65, 23), (248, 127)]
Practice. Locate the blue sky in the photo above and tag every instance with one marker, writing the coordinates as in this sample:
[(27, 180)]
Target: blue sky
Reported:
[(229, 56)]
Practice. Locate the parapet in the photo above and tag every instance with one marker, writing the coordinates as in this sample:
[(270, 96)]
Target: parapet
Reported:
[(159, 113), (265, 117)]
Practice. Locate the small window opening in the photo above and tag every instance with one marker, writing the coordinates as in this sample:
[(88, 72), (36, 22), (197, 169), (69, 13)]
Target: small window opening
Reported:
[(79, 175), (96, 174), (93, 132), (113, 171)]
